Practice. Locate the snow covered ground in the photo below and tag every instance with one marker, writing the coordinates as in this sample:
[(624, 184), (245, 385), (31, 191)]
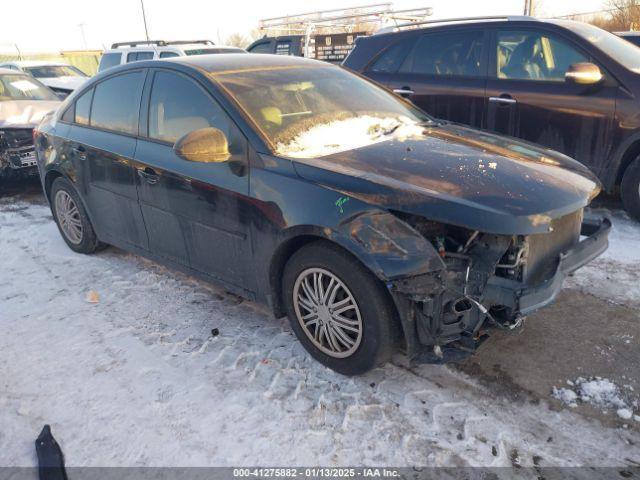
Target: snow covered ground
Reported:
[(138, 379), (615, 276)]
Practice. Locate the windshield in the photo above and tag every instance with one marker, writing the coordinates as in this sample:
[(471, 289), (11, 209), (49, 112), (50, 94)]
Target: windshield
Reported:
[(22, 87), (314, 111), (624, 52), (51, 71)]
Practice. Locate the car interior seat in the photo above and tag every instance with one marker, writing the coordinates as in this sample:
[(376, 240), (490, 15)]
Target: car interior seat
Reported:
[(523, 63)]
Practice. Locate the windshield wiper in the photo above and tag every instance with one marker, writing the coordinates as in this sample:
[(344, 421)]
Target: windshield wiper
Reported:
[(430, 123), (390, 131)]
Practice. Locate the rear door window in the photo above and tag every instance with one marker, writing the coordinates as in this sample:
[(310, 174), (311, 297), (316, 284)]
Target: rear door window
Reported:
[(139, 56), (109, 60), (391, 59), (83, 108), (168, 54), (116, 102), (456, 53)]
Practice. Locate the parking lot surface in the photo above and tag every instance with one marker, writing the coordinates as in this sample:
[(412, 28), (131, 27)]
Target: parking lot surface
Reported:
[(117, 354)]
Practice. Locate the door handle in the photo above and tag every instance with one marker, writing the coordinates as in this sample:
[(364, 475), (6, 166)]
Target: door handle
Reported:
[(503, 100), (404, 91), (149, 175), (80, 151)]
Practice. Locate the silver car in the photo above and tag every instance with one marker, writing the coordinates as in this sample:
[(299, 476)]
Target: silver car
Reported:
[(60, 77)]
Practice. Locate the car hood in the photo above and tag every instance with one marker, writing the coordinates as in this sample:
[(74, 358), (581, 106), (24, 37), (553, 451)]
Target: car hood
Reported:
[(66, 83), (460, 176), (24, 113)]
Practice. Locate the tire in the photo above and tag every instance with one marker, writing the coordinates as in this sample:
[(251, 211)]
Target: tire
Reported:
[(354, 340), (630, 189), (72, 212)]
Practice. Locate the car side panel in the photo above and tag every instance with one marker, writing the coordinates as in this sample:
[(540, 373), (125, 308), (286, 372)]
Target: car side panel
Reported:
[(104, 163), (195, 212), (285, 207)]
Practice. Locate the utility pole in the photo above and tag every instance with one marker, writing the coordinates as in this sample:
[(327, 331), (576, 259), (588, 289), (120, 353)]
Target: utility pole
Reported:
[(84, 39), (144, 18), (529, 8)]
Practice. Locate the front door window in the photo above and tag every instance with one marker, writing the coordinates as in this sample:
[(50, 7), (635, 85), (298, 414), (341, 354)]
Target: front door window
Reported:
[(531, 55)]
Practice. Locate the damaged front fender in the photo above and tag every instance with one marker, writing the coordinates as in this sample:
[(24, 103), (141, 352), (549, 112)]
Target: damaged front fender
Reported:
[(391, 248)]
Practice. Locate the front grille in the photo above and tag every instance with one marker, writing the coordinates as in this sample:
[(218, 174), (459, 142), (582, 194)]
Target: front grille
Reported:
[(545, 248), (16, 147)]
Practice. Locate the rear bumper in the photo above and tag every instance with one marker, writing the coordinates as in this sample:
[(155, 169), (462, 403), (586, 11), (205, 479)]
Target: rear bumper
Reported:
[(525, 299)]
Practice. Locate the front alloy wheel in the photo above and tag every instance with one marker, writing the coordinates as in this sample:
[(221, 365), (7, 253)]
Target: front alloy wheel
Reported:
[(340, 312), (327, 312)]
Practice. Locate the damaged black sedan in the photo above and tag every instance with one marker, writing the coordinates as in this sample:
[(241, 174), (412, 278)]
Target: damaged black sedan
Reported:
[(294, 182)]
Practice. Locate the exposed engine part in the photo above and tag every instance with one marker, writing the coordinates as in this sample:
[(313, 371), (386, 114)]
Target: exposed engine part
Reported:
[(485, 279), (516, 256), (16, 148), (473, 236)]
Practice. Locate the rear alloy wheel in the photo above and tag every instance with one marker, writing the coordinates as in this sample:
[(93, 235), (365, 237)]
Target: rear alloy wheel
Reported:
[(339, 311), (69, 217), (630, 189), (72, 219)]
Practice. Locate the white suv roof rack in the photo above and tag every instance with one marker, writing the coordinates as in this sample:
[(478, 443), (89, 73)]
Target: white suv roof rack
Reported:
[(160, 43)]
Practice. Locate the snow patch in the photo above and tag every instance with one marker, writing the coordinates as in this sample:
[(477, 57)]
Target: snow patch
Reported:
[(342, 135), (566, 396), (614, 276), (597, 391), (625, 413)]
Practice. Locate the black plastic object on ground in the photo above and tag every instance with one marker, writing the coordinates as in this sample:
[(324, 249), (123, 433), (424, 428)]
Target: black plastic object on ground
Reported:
[(50, 457)]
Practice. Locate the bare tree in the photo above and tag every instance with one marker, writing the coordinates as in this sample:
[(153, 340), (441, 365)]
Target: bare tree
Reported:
[(620, 15), (237, 40), (625, 14)]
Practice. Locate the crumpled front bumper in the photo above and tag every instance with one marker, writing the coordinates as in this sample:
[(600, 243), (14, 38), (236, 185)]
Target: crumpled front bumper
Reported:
[(450, 342), (525, 299)]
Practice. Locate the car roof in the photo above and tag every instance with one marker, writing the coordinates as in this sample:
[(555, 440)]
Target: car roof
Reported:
[(36, 63), (445, 22), (170, 47), (627, 34), (5, 71), (474, 21), (243, 62), (199, 46)]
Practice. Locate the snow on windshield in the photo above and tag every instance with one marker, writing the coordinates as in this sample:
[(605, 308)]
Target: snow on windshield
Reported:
[(348, 134)]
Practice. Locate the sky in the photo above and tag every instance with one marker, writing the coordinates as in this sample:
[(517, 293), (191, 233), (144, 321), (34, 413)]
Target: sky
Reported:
[(45, 25)]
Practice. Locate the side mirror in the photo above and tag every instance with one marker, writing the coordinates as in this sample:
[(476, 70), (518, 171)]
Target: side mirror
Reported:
[(206, 145), (583, 74)]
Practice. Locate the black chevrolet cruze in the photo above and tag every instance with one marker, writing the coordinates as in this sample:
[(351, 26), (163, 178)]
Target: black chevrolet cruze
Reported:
[(294, 182)]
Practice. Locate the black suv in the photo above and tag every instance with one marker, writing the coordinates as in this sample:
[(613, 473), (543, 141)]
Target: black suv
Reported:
[(565, 85)]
